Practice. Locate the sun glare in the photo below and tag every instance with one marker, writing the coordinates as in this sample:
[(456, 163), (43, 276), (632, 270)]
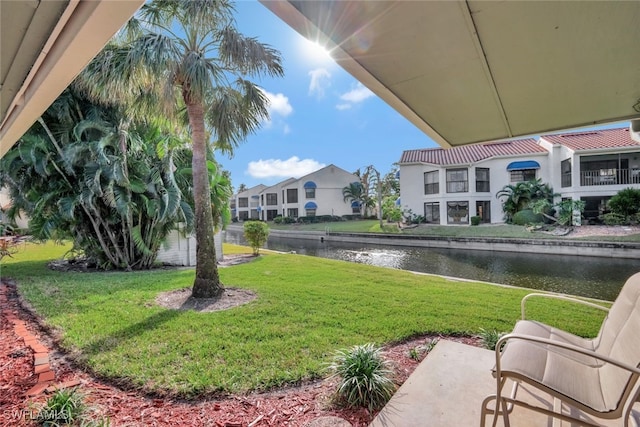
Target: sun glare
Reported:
[(316, 51)]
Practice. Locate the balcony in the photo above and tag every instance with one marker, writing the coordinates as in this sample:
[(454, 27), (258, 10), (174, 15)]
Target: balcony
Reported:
[(610, 177)]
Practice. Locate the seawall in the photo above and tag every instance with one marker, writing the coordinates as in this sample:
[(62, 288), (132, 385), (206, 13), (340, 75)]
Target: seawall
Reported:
[(547, 246)]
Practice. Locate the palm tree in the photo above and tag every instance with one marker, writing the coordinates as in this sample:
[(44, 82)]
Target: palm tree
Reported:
[(186, 56), (521, 195), (354, 192)]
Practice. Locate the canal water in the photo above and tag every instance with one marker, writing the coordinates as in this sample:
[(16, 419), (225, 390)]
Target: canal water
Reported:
[(593, 277)]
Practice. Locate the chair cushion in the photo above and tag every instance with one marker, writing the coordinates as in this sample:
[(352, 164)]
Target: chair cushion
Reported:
[(575, 376)]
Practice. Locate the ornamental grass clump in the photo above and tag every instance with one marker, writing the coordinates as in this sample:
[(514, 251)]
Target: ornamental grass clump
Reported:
[(63, 407), (365, 377), (490, 338)]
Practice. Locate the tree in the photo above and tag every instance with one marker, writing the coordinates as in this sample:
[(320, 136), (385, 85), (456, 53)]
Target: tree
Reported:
[(519, 196), (187, 56), (115, 187), (364, 177), (241, 188), (355, 193), (391, 183), (566, 210), (256, 233), (376, 182)]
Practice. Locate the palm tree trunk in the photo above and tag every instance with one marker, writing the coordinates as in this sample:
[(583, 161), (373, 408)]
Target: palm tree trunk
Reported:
[(207, 283)]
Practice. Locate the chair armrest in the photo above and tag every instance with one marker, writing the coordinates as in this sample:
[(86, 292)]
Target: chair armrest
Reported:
[(561, 297), (633, 369)]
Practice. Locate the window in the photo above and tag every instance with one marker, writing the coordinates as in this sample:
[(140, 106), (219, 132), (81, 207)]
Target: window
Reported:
[(523, 175), (311, 212), (243, 202), (483, 210), (292, 213), (243, 215), (431, 182), (271, 214), (482, 180), (355, 208), (432, 212), (457, 180), (292, 195), (458, 212), (565, 171), (310, 193), (272, 199)]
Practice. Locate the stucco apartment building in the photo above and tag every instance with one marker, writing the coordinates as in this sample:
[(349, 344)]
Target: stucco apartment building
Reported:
[(317, 193), (448, 186)]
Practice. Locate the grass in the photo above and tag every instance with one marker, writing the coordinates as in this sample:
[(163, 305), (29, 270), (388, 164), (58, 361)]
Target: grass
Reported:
[(497, 230), (307, 308)]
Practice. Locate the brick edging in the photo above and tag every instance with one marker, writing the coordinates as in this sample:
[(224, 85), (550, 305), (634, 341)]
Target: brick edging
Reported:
[(41, 353)]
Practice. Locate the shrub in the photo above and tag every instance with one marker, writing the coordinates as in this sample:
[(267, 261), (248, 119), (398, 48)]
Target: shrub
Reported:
[(351, 217), (527, 216), (475, 220), (612, 218), (63, 407), (626, 202), (283, 220), (365, 377), (308, 219), (256, 233)]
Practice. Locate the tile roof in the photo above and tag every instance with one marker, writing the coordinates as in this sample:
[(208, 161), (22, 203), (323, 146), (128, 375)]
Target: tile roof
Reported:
[(592, 140), (468, 154)]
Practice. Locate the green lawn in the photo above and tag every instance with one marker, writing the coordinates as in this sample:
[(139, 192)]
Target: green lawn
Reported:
[(306, 309), (497, 230)]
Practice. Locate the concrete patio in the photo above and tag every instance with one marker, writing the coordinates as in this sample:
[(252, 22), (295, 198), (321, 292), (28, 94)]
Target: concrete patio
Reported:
[(447, 390)]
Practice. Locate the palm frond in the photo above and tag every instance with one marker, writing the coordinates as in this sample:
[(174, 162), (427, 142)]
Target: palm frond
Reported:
[(248, 55)]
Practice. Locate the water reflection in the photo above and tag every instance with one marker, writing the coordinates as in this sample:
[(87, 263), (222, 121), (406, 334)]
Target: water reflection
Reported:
[(588, 276)]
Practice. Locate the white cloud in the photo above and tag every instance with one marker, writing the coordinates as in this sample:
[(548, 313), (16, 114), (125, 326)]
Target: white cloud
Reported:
[(278, 104), (292, 167), (319, 81), (343, 106), (358, 94)]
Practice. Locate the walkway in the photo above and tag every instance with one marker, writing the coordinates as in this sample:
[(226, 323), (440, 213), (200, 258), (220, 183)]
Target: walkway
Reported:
[(447, 390)]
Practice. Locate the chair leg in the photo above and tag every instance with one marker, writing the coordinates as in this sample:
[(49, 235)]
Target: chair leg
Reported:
[(501, 405), (485, 409)]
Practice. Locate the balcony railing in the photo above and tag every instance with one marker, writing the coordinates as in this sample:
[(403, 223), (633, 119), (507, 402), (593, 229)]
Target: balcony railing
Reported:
[(610, 177)]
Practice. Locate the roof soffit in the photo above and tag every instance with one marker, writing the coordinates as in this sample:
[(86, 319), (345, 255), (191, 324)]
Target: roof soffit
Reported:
[(472, 71)]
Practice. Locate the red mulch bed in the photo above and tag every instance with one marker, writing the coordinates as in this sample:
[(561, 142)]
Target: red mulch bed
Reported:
[(293, 406)]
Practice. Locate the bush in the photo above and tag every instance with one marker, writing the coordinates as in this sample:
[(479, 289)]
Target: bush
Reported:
[(527, 216), (283, 220), (351, 217), (319, 218), (475, 220), (308, 219), (612, 218), (626, 202), (256, 233), (365, 377)]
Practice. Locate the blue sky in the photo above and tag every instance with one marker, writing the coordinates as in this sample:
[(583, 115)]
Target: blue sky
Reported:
[(320, 114)]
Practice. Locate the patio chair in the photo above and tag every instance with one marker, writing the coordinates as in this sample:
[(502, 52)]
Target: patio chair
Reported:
[(596, 376)]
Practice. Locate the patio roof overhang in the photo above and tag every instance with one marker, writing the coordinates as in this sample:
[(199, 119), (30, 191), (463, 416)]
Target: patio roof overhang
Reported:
[(45, 44), (472, 71)]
